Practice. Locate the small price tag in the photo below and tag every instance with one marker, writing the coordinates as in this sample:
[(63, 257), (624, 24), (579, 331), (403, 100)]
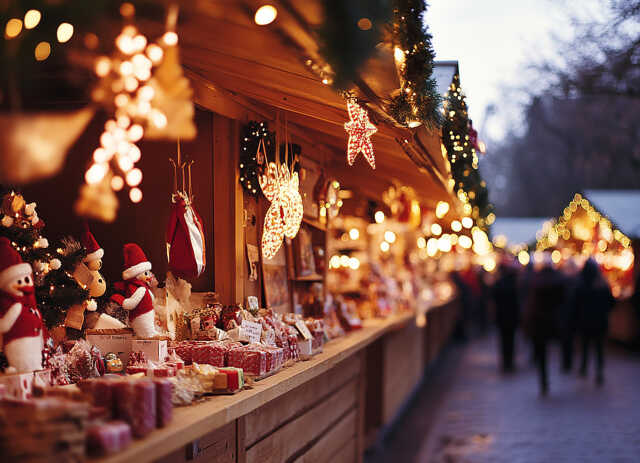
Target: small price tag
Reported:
[(270, 338), (304, 331), (250, 331), (252, 302)]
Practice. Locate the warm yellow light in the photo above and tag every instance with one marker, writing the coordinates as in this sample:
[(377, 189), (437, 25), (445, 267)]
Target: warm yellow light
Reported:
[(432, 247), (500, 241), (354, 234), (354, 263), (170, 38), (436, 229), (465, 242), (334, 262), (135, 195), (441, 209), (389, 236), (523, 257), (467, 222), (444, 243), (43, 50), (456, 226), (64, 32), (379, 216), (489, 265), (13, 28), (344, 260), (117, 183), (384, 246), (95, 173), (134, 177), (266, 14), (556, 256), (32, 19), (422, 243)]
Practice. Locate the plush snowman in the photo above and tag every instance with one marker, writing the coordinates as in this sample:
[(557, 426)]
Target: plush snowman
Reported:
[(138, 298), (20, 320)]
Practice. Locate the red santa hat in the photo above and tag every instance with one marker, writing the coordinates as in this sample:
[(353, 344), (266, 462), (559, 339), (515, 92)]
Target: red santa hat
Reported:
[(135, 262), (94, 251), (11, 264)]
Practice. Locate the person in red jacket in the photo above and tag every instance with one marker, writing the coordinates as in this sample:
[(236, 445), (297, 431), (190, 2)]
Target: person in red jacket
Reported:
[(20, 320), (137, 297)]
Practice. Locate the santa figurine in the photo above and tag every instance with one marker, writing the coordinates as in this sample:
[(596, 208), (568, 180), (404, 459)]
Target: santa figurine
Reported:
[(20, 320), (138, 298)]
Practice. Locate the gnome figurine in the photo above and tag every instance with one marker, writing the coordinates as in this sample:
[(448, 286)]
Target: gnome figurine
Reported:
[(95, 253), (138, 298), (20, 320)]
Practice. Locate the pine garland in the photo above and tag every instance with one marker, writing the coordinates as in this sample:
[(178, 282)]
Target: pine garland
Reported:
[(418, 100), (250, 165), (462, 155)]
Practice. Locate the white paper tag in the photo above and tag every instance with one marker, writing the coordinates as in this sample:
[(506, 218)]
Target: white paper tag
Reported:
[(250, 331), (270, 338), (252, 303), (304, 331)]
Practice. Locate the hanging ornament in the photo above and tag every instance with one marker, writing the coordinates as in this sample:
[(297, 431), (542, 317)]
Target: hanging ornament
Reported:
[(293, 211), (360, 130), (273, 229)]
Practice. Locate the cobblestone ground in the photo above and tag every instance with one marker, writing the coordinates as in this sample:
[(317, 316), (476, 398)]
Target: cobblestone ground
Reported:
[(468, 412)]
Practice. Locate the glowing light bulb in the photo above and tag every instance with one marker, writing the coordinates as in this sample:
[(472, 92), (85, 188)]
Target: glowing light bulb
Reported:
[(117, 183), (379, 216), (523, 257), (135, 195), (155, 53), (135, 132), (32, 19), (422, 243), (441, 209), (436, 229), (13, 28), (266, 14), (125, 163), (64, 32), (384, 246), (170, 38), (467, 222), (134, 177), (95, 173), (134, 153), (456, 226), (465, 242), (354, 234), (389, 236), (43, 50)]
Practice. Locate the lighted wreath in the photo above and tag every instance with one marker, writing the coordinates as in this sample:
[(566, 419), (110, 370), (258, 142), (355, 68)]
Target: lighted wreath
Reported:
[(256, 143)]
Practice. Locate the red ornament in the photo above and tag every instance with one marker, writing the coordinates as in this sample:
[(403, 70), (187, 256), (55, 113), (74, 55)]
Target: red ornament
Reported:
[(360, 130)]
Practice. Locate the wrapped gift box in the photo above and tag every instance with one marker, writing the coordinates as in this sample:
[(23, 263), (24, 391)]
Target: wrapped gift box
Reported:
[(154, 349), (209, 353), (252, 361), (108, 438), (18, 385), (119, 344)]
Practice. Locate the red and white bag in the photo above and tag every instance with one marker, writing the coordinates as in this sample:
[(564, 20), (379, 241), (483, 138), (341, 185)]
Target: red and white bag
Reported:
[(185, 240)]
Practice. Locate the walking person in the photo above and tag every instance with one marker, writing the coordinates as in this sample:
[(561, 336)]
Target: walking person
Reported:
[(594, 301), (568, 315), (505, 296), (547, 294)]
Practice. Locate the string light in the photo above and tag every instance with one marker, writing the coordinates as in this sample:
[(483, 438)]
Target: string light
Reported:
[(379, 216), (32, 19), (64, 32), (265, 15)]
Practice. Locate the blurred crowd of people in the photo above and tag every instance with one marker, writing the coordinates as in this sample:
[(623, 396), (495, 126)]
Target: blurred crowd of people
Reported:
[(564, 303)]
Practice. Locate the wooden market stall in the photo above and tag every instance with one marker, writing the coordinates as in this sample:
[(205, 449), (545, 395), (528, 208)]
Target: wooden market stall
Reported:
[(331, 407)]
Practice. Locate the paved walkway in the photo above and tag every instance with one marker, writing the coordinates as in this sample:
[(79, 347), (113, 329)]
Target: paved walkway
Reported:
[(467, 412)]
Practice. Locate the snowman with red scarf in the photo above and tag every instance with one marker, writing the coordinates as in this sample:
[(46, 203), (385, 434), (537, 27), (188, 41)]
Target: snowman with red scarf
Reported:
[(138, 299), (20, 320)]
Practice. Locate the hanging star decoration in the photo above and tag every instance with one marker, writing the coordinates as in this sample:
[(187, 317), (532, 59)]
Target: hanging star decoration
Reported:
[(360, 130)]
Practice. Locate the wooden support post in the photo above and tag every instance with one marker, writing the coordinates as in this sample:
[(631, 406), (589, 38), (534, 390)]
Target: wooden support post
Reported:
[(227, 203)]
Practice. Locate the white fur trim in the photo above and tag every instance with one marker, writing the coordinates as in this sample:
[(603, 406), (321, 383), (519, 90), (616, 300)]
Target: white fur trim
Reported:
[(25, 354), (144, 325), (196, 239), (136, 270), (10, 317), (106, 322), (95, 255), (132, 302), (9, 274), (92, 305)]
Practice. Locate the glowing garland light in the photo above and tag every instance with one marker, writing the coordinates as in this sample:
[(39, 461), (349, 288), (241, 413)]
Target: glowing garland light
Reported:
[(125, 76), (360, 130)]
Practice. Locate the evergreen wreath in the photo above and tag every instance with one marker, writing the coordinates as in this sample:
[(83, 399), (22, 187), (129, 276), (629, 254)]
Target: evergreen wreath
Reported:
[(250, 165)]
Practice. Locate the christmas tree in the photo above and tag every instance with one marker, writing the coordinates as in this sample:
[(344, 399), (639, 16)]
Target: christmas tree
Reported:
[(463, 156), (54, 267)]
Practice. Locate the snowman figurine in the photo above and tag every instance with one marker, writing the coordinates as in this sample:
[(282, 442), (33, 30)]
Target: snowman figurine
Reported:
[(137, 299), (20, 320)]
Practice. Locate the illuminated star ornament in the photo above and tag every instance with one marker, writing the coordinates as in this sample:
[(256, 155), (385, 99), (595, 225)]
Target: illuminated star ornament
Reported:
[(360, 130)]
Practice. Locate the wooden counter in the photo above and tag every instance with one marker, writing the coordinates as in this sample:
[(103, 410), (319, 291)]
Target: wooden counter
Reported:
[(193, 422)]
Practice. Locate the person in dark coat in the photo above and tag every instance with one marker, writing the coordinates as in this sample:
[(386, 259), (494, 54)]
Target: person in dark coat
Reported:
[(547, 294), (568, 316), (593, 301), (505, 296)]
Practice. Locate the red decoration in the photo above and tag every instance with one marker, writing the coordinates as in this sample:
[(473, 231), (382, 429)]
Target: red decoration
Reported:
[(360, 131)]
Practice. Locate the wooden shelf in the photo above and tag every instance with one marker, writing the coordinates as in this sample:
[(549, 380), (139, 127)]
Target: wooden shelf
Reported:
[(310, 278), (314, 223), (191, 422)]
